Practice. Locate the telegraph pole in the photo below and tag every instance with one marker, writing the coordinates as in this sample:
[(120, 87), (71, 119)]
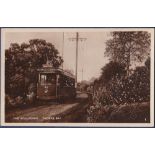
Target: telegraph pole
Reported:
[(76, 70), (76, 67), (82, 74), (62, 48)]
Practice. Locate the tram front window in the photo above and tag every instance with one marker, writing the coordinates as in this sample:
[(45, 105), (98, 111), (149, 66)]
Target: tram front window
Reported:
[(47, 79)]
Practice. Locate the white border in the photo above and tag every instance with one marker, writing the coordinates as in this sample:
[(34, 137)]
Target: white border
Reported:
[(4, 30)]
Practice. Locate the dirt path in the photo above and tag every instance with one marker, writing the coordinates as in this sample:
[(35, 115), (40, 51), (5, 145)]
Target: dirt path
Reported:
[(51, 112)]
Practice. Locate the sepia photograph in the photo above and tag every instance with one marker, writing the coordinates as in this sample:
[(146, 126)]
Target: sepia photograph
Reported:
[(77, 77)]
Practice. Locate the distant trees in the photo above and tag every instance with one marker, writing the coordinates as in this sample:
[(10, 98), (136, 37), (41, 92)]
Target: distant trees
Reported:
[(126, 47), (22, 61)]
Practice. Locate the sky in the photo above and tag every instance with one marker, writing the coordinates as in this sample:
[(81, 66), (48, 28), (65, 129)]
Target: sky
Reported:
[(91, 51)]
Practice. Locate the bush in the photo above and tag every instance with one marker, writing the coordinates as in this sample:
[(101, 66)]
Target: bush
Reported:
[(121, 91)]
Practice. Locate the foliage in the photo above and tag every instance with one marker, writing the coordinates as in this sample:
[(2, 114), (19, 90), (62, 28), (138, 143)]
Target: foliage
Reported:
[(22, 61), (118, 87), (120, 90), (135, 88), (111, 70), (126, 47), (124, 113)]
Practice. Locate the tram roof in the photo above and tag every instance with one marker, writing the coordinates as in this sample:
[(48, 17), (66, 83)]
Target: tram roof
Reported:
[(55, 70)]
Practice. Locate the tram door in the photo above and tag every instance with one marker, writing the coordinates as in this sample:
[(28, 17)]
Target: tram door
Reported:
[(47, 86)]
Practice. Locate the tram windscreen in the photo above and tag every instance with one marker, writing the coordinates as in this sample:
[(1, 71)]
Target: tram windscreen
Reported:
[(47, 79)]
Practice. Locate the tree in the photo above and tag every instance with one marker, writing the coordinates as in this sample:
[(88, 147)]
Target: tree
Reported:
[(141, 82), (111, 70), (147, 63), (126, 47), (44, 51), (22, 61)]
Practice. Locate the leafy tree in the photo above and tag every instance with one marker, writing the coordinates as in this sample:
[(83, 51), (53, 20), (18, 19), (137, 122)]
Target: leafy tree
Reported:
[(114, 87), (135, 88), (110, 70), (141, 83), (126, 47), (22, 61), (43, 51)]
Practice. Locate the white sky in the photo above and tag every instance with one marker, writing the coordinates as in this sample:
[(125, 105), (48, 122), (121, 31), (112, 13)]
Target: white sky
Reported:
[(91, 51)]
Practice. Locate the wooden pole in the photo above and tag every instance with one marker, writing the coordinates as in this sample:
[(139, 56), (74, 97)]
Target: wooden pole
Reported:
[(76, 67), (62, 48)]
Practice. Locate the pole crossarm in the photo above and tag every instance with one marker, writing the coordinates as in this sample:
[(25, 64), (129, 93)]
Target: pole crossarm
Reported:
[(79, 39)]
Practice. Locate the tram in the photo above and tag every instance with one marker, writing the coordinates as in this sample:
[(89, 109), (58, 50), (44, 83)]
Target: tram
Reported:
[(55, 84)]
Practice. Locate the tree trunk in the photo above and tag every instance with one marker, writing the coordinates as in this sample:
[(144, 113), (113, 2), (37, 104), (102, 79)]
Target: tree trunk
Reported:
[(128, 64)]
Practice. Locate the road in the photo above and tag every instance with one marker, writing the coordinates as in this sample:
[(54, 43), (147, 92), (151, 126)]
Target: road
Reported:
[(70, 111)]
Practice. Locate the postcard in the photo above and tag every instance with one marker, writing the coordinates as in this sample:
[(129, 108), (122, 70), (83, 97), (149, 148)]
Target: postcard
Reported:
[(77, 77)]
